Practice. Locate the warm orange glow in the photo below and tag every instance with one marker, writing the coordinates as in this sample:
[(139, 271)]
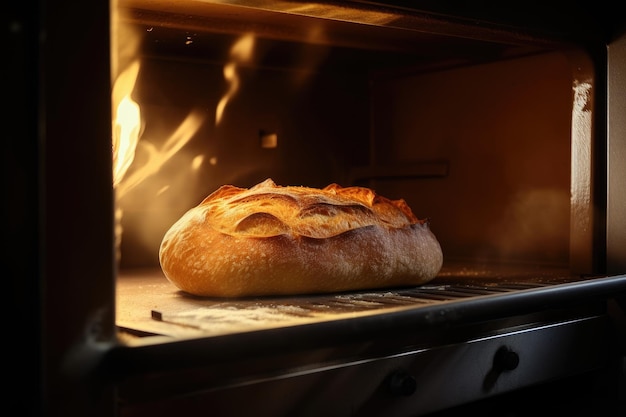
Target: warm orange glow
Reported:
[(240, 53), (196, 163), (127, 133), (158, 157), (126, 129), (126, 123)]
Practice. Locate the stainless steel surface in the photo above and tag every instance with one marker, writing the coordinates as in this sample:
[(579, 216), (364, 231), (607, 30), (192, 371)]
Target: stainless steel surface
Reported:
[(350, 24)]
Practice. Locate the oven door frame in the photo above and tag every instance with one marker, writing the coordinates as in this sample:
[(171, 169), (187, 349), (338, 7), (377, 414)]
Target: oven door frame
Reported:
[(60, 218)]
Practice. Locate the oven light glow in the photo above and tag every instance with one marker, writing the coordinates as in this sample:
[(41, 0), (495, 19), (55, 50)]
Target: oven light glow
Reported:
[(196, 162), (126, 124), (240, 52), (157, 157), (127, 131)]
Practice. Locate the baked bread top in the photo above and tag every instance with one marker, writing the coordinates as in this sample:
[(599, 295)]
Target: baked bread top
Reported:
[(267, 209)]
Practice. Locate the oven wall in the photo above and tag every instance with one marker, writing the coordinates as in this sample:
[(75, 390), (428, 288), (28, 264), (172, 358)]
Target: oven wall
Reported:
[(483, 151), (501, 135)]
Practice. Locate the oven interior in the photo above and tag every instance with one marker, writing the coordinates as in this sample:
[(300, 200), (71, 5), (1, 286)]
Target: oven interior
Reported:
[(481, 130)]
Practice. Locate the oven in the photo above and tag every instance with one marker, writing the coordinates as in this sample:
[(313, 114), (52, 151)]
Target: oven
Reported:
[(504, 126)]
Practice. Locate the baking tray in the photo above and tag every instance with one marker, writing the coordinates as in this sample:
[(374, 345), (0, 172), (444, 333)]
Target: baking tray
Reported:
[(148, 304)]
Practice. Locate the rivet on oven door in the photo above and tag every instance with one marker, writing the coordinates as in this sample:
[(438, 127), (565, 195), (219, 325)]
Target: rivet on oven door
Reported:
[(505, 360), (401, 383)]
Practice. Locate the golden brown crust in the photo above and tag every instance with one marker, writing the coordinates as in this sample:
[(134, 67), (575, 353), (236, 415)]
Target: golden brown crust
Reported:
[(273, 240)]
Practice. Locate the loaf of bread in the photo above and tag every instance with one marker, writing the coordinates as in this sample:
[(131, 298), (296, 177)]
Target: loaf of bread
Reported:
[(287, 240)]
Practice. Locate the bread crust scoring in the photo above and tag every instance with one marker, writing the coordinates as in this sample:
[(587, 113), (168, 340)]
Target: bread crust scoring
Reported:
[(275, 240)]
